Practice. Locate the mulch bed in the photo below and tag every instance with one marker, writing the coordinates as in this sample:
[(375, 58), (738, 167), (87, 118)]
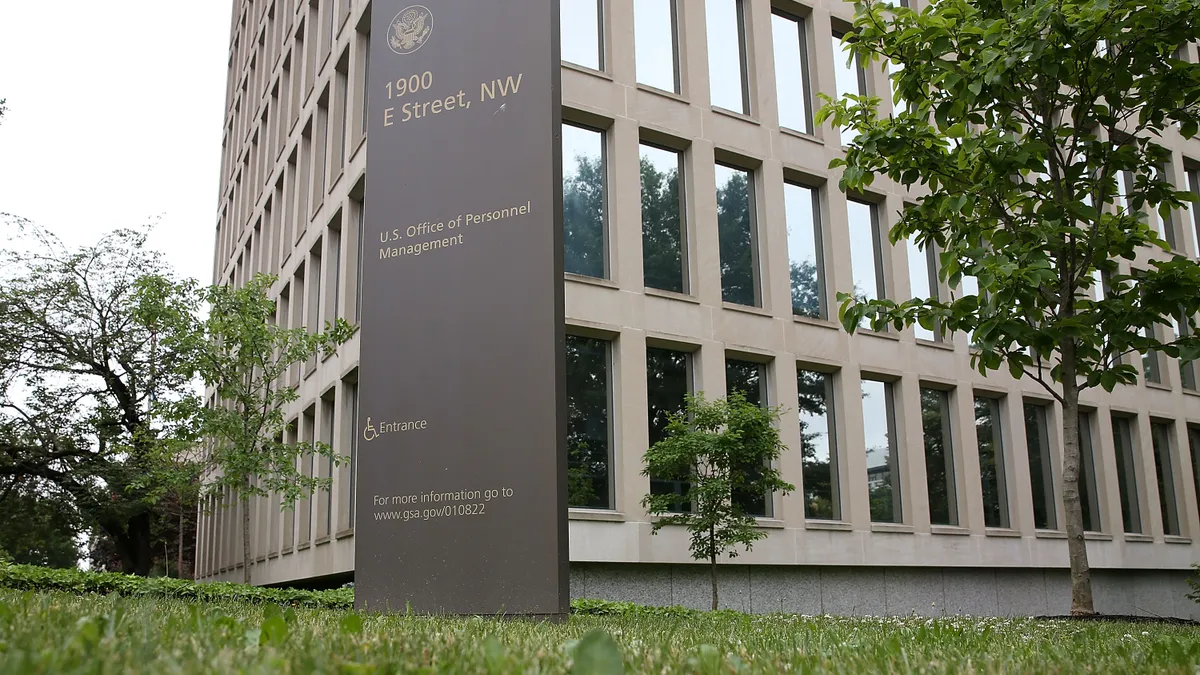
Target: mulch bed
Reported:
[(1123, 618)]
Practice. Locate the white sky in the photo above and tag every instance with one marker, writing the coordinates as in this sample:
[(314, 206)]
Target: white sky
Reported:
[(114, 119)]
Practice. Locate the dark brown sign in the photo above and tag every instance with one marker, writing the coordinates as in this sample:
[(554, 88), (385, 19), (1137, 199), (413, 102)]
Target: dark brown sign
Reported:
[(461, 466)]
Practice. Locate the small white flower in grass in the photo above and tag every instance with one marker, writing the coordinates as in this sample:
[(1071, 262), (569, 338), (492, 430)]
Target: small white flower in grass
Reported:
[(1146, 633)]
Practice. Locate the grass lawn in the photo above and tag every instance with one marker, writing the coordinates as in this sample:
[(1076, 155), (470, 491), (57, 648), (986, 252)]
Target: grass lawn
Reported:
[(52, 632)]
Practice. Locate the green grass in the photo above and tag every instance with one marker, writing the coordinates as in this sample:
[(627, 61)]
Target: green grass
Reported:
[(55, 632)]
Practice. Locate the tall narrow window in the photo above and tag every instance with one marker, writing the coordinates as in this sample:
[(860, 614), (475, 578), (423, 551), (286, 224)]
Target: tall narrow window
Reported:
[(791, 72), (991, 462), (922, 279), (582, 26), (1151, 359), (883, 461), (750, 379), (663, 223), (727, 79), (939, 456), (1164, 469), (1194, 186), (805, 262), (818, 444), (351, 468), (1187, 369), (735, 228), (1089, 491), (849, 78), (584, 201), (865, 251), (668, 382), (1041, 467), (656, 44), (1194, 446), (1127, 474), (588, 423)]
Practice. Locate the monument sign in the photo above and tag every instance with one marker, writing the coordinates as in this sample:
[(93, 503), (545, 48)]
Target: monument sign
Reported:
[(461, 492)]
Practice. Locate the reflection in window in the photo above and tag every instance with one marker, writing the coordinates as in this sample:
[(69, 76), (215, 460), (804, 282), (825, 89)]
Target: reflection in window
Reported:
[(1131, 513), (588, 425), (849, 78), (750, 379), (883, 462), (939, 456), (668, 382), (1194, 186), (1164, 469), (582, 26), (1187, 369), (922, 279), (991, 461), (804, 250), (818, 444), (1089, 496), (1151, 366), (727, 55), (655, 45), (735, 229), (1041, 468), (584, 201), (791, 72), (662, 220), (1194, 446), (865, 251)]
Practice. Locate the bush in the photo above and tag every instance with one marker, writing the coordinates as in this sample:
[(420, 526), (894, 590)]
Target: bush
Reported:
[(31, 578)]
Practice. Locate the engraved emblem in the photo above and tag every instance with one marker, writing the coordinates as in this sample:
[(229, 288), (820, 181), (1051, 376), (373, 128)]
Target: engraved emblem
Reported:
[(410, 29)]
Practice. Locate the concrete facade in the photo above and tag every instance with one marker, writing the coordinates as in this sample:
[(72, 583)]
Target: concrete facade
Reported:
[(291, 203)]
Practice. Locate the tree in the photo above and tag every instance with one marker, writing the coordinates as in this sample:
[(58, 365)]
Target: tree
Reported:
[(709, 445), (583, 218), (39, 527), (85, 365), (1021, 121), (245, 358)]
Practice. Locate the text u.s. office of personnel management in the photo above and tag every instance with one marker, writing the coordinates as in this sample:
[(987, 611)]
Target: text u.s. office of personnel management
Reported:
[(425, 107)]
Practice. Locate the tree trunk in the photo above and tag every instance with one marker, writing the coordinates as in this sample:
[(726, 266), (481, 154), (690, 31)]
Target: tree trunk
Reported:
[(712, 567), (246, 531), (132, 543), (1081, 574), (179, 559)]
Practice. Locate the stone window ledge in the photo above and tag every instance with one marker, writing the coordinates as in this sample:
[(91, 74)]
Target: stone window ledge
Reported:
[(835, 525), (591, 281), (1097, 536), (1176, 539), (672, 295), (1133, 537), (596, 515), (1002, 532), (897, 528), (1050, 534), (769, 523), (949, 529)]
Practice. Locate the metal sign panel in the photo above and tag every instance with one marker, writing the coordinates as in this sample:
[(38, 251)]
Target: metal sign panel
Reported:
[(461, 499)]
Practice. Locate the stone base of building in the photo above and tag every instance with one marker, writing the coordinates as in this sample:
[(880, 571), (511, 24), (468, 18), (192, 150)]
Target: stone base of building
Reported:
[(885, 591)]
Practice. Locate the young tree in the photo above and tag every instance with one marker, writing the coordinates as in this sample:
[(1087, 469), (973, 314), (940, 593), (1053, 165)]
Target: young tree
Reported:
[(1032, 129), (245, 358), (710, 445), (85, 362)]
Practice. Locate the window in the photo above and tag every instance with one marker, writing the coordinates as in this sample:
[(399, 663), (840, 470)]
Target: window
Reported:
[(849, 77), (750, 379), (791, 72), (348, 480), (922, 279), (939, 456), (1089, 491), (668, 382), (967, 287), (899, 105), (582, 26), (1187, 369), (1194, 186), (805, 262), (883, 462), (735, 228), (584, 201), (991, 461), (818, 445), (1127, 473), (1041, 467), (663, 222), (588, 423), (727, 55), (1194, 446), (656, 44), (865, 252), (1151, 365), (1164, 469)]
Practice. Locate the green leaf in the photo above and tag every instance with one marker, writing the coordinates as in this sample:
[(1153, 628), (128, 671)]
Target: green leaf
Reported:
[(351, 624), (597, 654)]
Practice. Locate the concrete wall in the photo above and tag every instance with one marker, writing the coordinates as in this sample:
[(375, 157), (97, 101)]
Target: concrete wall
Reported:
[(884, 591)]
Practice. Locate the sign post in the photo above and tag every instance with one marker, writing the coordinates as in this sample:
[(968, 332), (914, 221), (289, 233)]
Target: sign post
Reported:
[(461, 497)]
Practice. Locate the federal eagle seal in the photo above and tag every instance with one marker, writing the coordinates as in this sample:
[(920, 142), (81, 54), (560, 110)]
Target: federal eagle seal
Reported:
[(410, 29)]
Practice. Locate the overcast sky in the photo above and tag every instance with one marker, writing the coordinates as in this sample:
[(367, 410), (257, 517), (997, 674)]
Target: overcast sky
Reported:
[(114, 119)]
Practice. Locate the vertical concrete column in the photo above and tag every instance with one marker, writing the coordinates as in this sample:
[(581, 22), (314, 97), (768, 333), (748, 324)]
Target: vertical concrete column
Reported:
[(773, 242), (969, 490), (618, 21), (821, 73), (914, 473), (856, 501), (1185, 484), (1147, 479), (630, 423), (789, 509), (625, 215), (1016, 464), (1112, 520), (760, 54), (706, 270), (693, 53)]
